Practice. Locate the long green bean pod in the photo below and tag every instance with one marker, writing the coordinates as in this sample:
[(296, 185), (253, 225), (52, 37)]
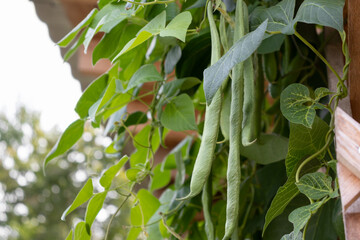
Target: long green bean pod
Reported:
[(205, 156), (206, 199), (248, 128), (233, 170)]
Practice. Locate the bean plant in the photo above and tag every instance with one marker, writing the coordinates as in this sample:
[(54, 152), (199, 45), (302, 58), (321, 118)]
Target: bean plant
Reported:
[(246, 83)]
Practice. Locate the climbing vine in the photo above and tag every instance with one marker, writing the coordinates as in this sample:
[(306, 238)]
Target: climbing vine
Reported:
[(246, 82)]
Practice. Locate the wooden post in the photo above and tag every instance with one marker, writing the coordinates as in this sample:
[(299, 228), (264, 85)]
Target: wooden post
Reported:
[(353, 26)]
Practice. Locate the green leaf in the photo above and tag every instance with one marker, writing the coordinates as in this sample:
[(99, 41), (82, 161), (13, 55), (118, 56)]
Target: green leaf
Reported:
[(178, 26), (297, 105), (152, 28), (179, 114), (94, 206), (75, 46), (268, 149), (160, 178), (72, 34), (287, 192), (323, 12), (166, 199), (271, 44), (292, 236), (91, 94), (304, 142), (282, 198), (300, 216), (70, 235), (81, 231), (69, 137), (142, 212), (83, 196), (147, 73), (321, 92), (315, 185), (240, 51), (110, 173), (280, 17), (172, 58), (111, 15), (195, 57), (109, 44)]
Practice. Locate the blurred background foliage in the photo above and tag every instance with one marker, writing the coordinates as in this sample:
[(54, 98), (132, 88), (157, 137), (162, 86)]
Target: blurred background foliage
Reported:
[(32, 203)]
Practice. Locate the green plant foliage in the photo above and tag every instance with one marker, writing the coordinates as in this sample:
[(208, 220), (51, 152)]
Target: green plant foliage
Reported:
[(304, 142), (297, 105), (179, 114), (322, 12), (83, 196), (315, 185), (70, 136), (196, 68), (217, 73), (280, 17)]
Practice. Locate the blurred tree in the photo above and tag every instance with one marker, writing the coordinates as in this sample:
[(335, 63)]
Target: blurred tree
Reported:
[(31, 204)]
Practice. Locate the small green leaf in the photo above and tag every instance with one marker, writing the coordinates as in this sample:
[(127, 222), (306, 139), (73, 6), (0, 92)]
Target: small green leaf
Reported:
[(94, 206), (172, 58), (160, 178), (300, 216), (280, 17), (304, 142), (69, 137), (268, 149), (292, 236), (179, 114), (82, 231), (147, 73), (142, 212), (132, 174), (72, 34), (83, 196), (297, 105), (111, 15), (178, 26), (133, 43), (70, 235), (91, 94), (321, 92), (323, 12), (109, 43), (152, 28), (110, 173), (75, 46), (315, 185), (239, 52)]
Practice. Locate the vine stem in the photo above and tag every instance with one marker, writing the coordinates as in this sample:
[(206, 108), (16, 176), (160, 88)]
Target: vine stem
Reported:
[(113, 216), (149, 3), (318, 54)]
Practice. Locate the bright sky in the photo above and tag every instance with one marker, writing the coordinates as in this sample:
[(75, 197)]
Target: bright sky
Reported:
[(32, 71)]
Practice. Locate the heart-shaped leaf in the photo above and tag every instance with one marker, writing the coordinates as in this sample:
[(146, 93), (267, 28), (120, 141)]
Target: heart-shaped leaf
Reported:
[(280, 17), (315, 185), (323, 12), (179, 114), (297, 105)]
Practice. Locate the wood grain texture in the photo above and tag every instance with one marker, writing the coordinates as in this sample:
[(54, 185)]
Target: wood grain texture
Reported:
[(353, 26), (347, 132)]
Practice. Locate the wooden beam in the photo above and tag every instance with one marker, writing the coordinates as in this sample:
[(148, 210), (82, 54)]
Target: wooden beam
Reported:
[(353, 26)]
